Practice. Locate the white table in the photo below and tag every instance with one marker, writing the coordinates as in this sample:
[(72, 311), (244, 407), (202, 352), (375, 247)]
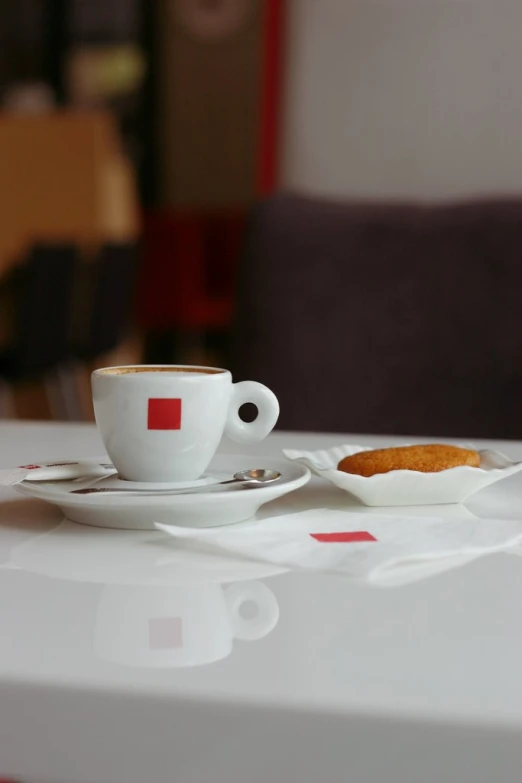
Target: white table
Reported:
[(416, 684)]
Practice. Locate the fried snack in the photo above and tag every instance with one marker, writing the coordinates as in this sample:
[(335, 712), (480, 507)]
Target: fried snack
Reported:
[(431, 458)]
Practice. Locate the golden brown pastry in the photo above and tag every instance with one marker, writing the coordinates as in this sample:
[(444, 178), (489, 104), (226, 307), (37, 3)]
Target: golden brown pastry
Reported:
[(431, 458)]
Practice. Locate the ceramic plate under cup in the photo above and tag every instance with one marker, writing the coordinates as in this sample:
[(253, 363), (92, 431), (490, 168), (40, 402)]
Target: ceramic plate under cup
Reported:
[(406, 487), (200, 510)]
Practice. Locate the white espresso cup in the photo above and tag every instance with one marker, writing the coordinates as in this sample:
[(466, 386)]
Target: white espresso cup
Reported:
[(164, 422)]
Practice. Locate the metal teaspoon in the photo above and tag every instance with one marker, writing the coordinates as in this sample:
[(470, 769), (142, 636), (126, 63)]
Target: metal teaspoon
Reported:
[(244, 479)]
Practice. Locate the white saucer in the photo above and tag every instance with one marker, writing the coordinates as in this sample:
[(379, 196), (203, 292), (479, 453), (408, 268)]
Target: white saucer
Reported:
[(198, 510)]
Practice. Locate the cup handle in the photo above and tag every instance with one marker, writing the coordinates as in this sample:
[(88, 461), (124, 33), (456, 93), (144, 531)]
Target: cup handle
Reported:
[(268, 412), (251, 628)]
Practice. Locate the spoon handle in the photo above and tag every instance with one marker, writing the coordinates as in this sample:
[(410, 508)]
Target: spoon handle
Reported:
[(139, 492)]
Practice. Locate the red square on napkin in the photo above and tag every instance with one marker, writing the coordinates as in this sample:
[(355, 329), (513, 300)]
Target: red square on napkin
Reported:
[(343, 538), (164, 413)]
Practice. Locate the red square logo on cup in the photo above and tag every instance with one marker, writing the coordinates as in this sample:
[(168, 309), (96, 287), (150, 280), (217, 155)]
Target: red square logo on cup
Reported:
[(164, 413)]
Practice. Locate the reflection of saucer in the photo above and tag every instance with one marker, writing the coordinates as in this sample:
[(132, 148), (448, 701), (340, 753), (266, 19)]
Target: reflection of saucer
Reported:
[(186, 611), (86, 554), (198, 510)]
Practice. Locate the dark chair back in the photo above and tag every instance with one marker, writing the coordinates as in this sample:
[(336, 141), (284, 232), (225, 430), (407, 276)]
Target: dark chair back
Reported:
[(43, 302), (109, 283), (393, 319)]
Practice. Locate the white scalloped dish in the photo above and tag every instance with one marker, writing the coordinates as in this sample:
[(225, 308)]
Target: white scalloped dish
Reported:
[(407, 487)]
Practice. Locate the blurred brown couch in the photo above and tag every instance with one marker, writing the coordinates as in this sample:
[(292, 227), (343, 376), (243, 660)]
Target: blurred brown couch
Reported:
[(385, 318)]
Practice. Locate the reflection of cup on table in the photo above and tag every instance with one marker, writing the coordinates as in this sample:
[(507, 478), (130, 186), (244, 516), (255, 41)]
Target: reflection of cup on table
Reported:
[(191, 625)]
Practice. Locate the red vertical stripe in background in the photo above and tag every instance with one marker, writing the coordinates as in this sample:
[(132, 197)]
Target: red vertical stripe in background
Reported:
[(271, 83)]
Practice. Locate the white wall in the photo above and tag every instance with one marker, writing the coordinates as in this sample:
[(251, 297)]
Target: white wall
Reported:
[(404, 98)]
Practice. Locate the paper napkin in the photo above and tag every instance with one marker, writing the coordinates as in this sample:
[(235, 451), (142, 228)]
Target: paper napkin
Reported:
[(54, 471), (373, 548)]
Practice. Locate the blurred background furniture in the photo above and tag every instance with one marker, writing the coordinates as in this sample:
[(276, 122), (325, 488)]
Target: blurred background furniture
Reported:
[(186, 292), (105, 314), (385, 318), (40, 295), (216, 77), (113, 115), (69, 313), (185, 114), (63, 179), (68, 250), (102, 332)]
